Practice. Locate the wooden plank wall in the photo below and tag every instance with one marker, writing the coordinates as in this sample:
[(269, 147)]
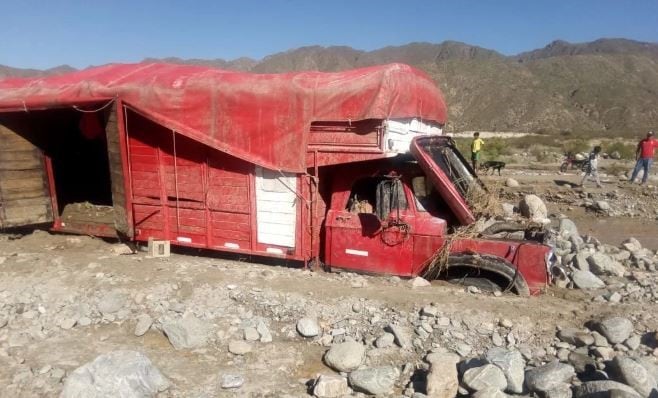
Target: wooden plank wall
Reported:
[(229, 201), (24, 194), (116, 174), (203, 197)]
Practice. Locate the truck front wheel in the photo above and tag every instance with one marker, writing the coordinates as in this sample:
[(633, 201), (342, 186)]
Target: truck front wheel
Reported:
[(485, 272)]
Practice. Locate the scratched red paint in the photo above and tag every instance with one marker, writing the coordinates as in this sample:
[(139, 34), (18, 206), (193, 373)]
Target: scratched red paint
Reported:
[(195, 187), (256, 117)]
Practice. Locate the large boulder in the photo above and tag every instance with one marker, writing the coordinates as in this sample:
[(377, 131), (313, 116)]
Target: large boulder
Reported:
[(532, 207), (568, 228), (483, 377), (126, 374), (632, 245), (580, 260), (442, 380), (582, 362), (111, 302), (547, 377), (402, 336), (345, 357), (489, 393), (603, 389), (511, 363), (602, 264), (239, 347), (308, 327), (615, 329), (143, 325), (627, 371), (602, 205), (374, 381), (575, 337), (187, 332), (418, 282), (331, 386), (586, 280)]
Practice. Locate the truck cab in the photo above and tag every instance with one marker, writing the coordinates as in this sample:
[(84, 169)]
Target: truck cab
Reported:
[(397, 216)]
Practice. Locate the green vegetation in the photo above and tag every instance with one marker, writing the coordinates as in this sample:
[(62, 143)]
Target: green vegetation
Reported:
[(626, 150), (546, 148), (494, 148), (616, 168)]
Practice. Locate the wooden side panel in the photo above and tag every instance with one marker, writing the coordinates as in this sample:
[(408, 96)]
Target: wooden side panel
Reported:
[(188, 193), (229, 201), (144, 165), (314, 216), (182, 168), (117, 176), (24, 194), (149, 215), (341, 136), (149, 221)]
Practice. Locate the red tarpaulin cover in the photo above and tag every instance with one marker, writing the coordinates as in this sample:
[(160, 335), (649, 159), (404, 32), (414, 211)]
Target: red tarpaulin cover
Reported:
[(262, 118)]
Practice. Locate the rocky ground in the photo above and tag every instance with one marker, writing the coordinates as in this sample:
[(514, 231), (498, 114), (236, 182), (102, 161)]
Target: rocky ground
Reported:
[(83, 317)]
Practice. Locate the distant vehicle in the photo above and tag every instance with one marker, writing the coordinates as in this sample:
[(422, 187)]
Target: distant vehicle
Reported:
[(571, 162), (349, 170)]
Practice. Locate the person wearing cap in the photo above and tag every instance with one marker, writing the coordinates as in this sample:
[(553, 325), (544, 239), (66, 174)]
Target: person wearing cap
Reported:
[(644, 156)]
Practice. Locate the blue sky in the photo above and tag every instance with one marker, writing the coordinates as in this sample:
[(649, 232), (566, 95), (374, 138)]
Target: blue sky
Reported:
[(42, 34)]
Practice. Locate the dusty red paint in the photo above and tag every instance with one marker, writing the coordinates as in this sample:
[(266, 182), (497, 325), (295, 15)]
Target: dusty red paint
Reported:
[(428, 233), (255, 117), (189, 158)]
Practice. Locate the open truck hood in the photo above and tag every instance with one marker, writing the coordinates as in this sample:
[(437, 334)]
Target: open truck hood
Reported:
[(448, 172)]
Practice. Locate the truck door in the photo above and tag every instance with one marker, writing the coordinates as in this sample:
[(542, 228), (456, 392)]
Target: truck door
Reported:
[(24, 193), (370, 229)]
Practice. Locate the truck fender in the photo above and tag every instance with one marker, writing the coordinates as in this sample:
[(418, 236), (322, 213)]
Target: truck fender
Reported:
[(497, 266)]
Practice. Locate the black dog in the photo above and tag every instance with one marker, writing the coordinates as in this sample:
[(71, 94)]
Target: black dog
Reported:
[(493, 166)]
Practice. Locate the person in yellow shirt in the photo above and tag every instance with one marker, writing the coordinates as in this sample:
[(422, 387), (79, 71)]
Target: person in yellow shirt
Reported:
[(476, 147)]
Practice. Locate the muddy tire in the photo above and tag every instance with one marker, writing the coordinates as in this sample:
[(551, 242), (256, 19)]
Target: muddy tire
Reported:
[(563, 167), (466, 268)]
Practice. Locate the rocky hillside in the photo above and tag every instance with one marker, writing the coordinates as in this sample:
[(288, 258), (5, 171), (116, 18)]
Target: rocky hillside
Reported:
[(8, 71), (606, 86)]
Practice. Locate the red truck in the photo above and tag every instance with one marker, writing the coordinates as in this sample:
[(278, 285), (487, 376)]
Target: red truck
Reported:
[(349, 170)]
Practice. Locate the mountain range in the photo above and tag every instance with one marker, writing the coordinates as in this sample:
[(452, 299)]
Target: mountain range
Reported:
[(607, 86)]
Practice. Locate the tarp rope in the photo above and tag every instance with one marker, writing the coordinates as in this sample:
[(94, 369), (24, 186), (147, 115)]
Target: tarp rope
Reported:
[(110, 102)]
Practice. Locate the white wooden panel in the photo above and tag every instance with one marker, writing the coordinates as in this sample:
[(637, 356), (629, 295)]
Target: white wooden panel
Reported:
[(274, 218), (276, 207), (400, 132)]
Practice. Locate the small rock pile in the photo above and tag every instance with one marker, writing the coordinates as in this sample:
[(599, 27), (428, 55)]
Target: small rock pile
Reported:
[(605, 358), (636, 202), (589, 264)]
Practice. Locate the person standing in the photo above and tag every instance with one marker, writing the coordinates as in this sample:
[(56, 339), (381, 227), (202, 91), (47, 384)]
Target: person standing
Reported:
[(644, 155), (592, 167), (476, 147)]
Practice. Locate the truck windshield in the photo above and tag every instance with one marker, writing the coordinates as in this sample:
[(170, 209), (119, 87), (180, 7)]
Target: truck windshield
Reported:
[(453, 164)]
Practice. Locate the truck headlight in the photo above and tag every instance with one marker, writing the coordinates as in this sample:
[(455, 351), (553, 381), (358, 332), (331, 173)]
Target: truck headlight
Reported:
[(554, 269)]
